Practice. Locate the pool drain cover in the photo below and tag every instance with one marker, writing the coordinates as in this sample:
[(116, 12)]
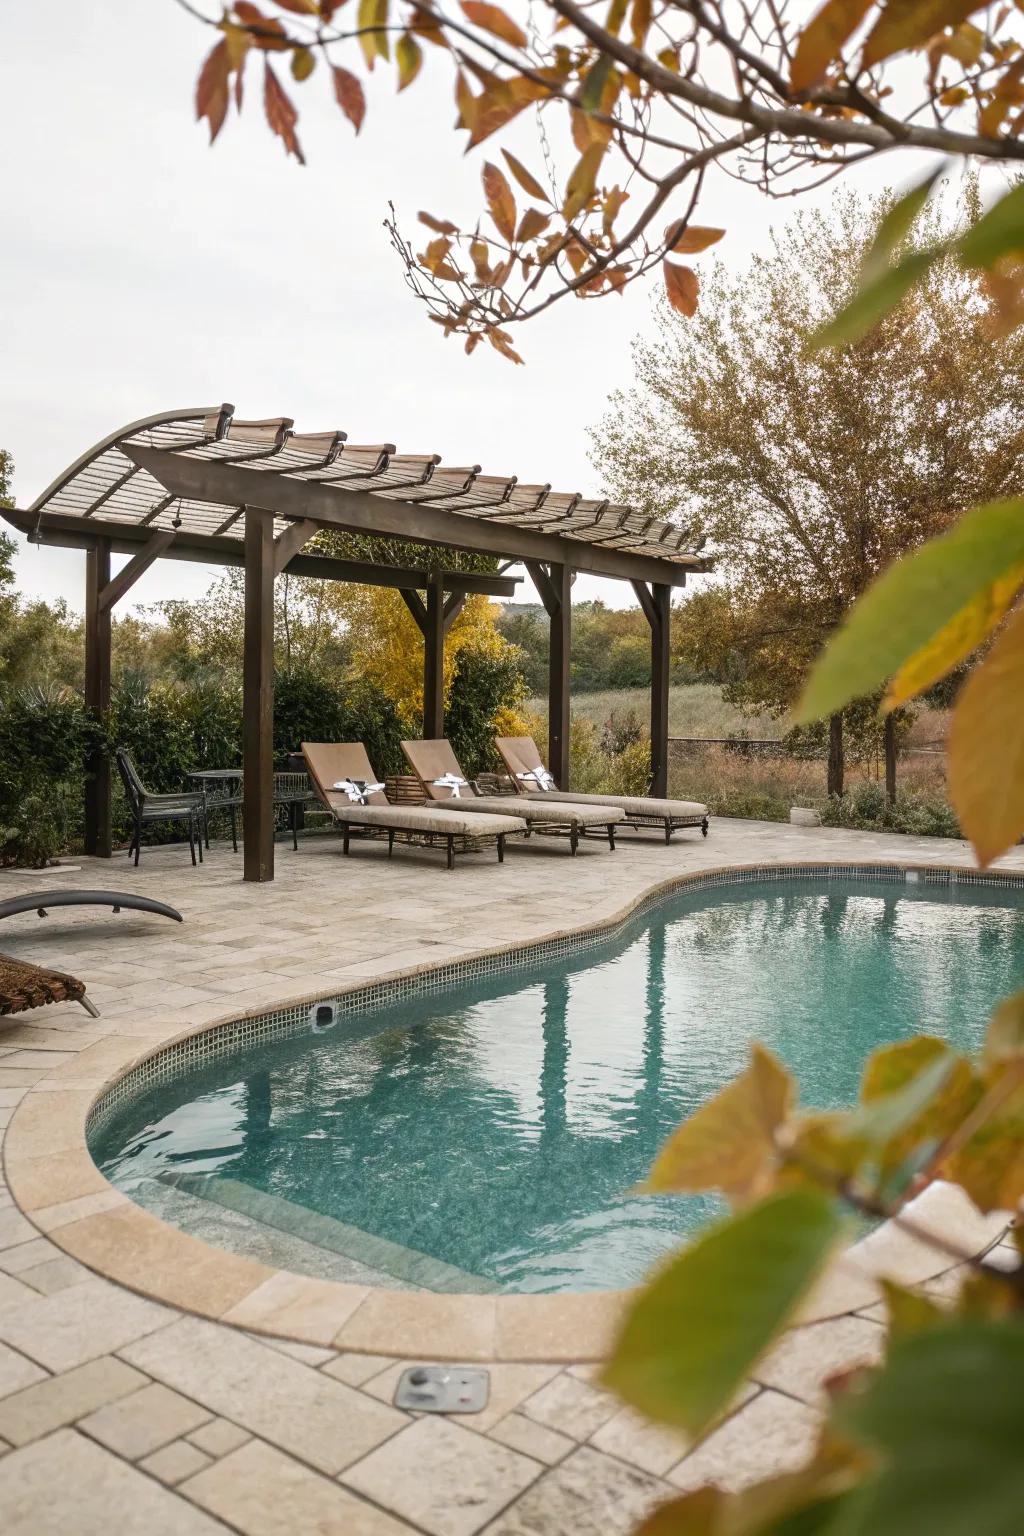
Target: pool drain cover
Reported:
[(443, 1389)]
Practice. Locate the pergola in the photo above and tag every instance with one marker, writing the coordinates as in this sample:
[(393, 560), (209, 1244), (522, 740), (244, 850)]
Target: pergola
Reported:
[(200, 485)]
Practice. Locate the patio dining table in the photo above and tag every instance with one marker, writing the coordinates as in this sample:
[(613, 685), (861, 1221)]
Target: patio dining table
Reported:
[(221, 789)]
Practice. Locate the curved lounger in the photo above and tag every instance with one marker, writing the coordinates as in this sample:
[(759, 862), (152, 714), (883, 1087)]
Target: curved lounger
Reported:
[(434, 762), (523, 761), (331, 763), (41, 901)]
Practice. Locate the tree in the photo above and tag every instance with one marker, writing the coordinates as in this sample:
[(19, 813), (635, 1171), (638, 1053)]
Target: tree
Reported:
[(808, 470), (634, 106)]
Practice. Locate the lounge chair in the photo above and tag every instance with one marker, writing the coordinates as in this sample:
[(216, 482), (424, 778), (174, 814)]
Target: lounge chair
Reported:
[(33, 986), (363, 803), (530, 777), (438, 770)]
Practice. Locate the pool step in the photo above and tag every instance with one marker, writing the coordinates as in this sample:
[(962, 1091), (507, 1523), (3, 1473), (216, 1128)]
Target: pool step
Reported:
[(390, 1259)]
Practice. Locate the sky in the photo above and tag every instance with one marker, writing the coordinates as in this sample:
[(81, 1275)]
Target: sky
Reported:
[(141, 270)]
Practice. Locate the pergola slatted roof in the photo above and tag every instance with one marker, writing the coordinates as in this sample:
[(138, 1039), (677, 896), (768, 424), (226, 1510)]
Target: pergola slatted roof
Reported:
[(109, 484)]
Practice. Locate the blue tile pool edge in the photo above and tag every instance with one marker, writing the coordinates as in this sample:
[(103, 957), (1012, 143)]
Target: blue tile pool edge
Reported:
[(210, 1042)]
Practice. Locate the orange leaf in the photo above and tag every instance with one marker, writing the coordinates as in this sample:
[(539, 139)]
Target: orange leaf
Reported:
[(281, 114), (532, 224), (688, 239), (442, 226), (905, 26), (986, 747), (349, 95), (682, 285), (266, 31), (491, 18), (500, 201), (528, 183), (822, 40), (212, 88)]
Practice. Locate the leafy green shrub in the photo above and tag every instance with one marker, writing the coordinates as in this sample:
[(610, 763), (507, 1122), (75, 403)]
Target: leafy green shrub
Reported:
[(866, 808), (46, 739), (309, 707), (486, 685)]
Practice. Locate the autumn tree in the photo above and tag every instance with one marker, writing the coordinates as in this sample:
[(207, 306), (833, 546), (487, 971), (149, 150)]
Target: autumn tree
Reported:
[(806, 471), (633, 103)]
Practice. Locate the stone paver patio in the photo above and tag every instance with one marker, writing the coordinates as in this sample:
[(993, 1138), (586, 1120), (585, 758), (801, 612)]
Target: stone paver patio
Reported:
[(121, 1411)]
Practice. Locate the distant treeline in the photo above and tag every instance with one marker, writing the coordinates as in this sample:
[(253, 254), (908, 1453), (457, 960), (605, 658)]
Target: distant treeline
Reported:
[(611, 647)]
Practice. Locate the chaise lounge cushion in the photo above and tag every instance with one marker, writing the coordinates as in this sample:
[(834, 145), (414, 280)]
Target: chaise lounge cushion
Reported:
[(632, 805), (435, 760), (424, 818), (534, 811), (520, 756)]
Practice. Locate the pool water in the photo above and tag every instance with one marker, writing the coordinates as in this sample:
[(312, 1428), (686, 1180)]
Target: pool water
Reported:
[(488, 1137)]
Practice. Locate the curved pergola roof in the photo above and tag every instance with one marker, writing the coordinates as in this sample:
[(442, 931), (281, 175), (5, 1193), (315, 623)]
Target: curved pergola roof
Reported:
[(196, 470)]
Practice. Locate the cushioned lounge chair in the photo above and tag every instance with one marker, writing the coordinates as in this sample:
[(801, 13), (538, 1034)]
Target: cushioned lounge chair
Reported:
[(437, 769), (363, 803), (530, 777)]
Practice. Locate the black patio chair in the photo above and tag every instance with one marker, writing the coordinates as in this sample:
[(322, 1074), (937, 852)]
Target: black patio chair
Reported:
[(187, 806)]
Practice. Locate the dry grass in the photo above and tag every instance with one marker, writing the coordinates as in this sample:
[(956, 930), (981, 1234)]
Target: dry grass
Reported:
[(696, 709)]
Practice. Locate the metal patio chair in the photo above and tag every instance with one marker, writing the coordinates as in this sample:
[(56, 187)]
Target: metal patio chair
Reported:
[(186, 805)]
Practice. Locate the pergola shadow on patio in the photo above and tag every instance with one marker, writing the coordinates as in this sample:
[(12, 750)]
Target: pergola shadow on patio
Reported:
[(200, 485)]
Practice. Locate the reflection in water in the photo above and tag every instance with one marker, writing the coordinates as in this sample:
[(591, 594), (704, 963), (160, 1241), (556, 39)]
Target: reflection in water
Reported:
[(500, 1127)]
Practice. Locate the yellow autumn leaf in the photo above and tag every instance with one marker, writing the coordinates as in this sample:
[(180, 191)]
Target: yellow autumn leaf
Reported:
[(823, 38), (956, 640), (986, 747), (729, 1143)]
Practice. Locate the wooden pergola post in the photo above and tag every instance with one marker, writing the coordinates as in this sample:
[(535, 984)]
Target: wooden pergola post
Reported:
[(554, 584), (434, 619), (258, 697), (433, 662), (97, 696), (656, 602)]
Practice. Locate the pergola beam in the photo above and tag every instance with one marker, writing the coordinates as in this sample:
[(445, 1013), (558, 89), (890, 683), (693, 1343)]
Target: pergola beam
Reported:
[(339, 506), (211, 549), (156, 545), (290, 541)]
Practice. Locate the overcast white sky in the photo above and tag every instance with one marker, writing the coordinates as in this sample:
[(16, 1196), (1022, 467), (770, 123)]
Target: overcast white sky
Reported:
[(141, 270)]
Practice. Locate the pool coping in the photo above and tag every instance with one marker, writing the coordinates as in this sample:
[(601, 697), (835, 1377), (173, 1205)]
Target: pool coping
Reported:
[(59, 1188)]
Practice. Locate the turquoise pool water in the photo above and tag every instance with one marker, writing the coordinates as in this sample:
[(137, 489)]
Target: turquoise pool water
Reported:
[(487, 1137)]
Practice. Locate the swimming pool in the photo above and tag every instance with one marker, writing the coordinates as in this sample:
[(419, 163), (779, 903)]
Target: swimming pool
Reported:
[(485, 1137)]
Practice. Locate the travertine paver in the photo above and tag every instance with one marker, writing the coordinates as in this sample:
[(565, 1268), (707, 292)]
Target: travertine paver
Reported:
[(261, 1492), (522, 1434), (316, 1418), (78, 1324), (588, 1494), (772, 1433), (137, 1425), (60, 1400), (572, 1406), (173, 1463), (552, 1453), (218, 1437), (803, 1361), (17, 1372), (442, 1477), (66, 1484)]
